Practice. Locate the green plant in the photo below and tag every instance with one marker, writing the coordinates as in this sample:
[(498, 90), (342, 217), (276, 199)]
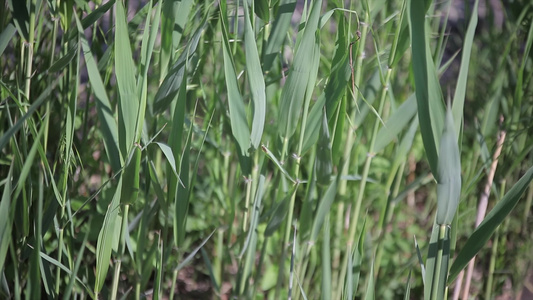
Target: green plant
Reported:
[(149, 147)]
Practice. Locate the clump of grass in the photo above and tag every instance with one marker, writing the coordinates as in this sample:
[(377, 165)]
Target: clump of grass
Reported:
[(272, 156)]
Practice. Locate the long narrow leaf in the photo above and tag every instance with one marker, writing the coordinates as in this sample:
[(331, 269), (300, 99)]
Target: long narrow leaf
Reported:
[(257, 82), (278, 33), (107, 239), (300, 79), (460, 89), (6, 222), (36, 104), (237, 112), (105, 111), (127, 83), (491, 222), (427, 90)]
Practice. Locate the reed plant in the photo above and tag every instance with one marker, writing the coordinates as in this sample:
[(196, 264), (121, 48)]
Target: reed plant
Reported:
[(274, 149)]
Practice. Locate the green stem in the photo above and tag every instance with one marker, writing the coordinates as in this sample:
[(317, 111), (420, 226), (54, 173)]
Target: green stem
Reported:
[(29, 53), (387, 211), (296, 171), (438, 262), (354, 219), (173, 287), (350, 141)]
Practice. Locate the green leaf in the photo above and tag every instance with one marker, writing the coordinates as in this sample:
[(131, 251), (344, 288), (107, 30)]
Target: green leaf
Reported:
[(173, 80), (278, 34), (237, 112), (401, 38), (369, 295), (148, 42), (279, 164), (312, 126), (6, 221), (340, 71), (449, 174), (63, 62), (460, 89), (396, 123), (302, 76), (255, 76), (428, 93), (127, 83), (323, 209), (489, 225), (21, 17), (173, 21), (6, 36), (68, 271), (193, 253), (169, 155), (131, 175), (43, 97), (279, 214), (107, 239), (407, 293), (108, 125), (262, 10), (68, 291), (323, 161), (182, 195)]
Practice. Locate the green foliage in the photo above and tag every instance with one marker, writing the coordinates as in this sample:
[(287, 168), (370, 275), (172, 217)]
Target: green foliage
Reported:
[(275, 147)]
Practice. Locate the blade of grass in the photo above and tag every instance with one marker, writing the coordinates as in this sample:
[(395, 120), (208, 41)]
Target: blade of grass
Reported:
[(257, 82), (108, 125), (66, 270), (148, 41), (159, 269), (427, 90), (491, 222), (6, 36), (279, 213), (127, 83), (449, 173), (370, 288), (460, 89), (107, 239), (237, 112), (301, 77), (323, 160), (278, 34), (20, 122), (396, 123), (173, 20), (6, 222), (172, 81), (181, 199), (323, 209), (68, 291), (278, 164), (193, 253)]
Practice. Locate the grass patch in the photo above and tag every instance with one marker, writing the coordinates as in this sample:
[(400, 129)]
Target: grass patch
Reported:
[(264, 149)]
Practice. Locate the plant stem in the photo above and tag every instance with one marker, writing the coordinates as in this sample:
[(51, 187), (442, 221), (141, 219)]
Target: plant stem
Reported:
[(438, 263)]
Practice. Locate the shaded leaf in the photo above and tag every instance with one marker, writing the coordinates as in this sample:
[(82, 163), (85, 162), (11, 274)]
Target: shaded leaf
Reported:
[(494, 218)]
